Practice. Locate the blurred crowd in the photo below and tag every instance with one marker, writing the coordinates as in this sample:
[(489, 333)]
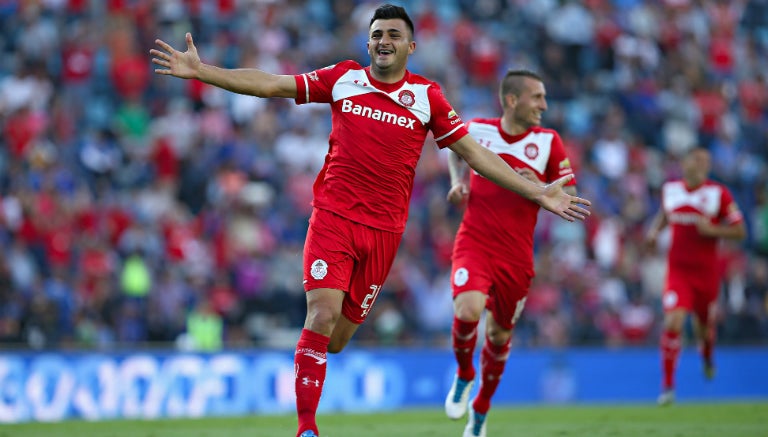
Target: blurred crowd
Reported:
[(138, 209)]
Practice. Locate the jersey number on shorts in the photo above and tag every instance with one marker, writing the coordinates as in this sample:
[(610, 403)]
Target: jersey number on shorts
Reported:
[(370, 298)]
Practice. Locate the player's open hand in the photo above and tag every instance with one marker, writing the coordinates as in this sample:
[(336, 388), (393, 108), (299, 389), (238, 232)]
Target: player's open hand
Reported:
[(556, 200), (180, 64)]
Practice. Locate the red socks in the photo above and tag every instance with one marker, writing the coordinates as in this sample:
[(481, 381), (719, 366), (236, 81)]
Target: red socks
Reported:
[(464, 336), (493, 358), (707, 346), (670, 351), (309, 365)]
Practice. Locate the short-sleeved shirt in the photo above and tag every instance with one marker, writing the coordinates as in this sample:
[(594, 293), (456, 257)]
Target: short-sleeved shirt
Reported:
[(498, 222), (378, 133), (684, 206)]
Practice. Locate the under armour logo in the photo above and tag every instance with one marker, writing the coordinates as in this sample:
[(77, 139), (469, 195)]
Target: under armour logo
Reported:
[(307, 381)]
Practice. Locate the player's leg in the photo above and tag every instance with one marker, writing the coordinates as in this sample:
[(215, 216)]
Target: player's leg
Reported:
[(342, 333), (468, 307), (704, 324), (670, 346), (327, 268), (493, 359), (677, 302), (323, 311)]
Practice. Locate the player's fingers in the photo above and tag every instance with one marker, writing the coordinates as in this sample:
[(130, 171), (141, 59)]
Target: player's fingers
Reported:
[(161, 62), (579, 210), (575, 215), (566, 215), (564, 180), (580, 200), (190, 43), (164, 45)]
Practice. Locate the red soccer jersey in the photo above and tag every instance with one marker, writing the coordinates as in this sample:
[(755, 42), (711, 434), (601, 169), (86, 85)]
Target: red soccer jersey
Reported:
[(683, 207), (497, 221), (378, 132)]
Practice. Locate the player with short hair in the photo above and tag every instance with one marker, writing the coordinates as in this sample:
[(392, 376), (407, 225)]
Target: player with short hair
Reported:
[(381, 115), (492, 263), (700, 212)]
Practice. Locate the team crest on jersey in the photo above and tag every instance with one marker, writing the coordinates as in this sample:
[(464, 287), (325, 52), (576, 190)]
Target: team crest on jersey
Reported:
[(406, 98), (461, 277), (319, 269), (531, 151)]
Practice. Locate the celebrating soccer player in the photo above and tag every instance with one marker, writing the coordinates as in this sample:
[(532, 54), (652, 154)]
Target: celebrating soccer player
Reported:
[(381, 115), (699, 211), (493, 251)]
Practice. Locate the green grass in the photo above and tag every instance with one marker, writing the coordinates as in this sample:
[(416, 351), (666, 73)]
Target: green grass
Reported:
[(681, 420)]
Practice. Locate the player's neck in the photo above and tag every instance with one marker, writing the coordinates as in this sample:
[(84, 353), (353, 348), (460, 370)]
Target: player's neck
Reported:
[(693, 184), (510, 128), (387, 76)]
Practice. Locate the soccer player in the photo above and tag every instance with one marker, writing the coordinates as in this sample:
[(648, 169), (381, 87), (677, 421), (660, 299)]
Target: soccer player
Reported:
[(381, 115), (699, 211), (492, 264)]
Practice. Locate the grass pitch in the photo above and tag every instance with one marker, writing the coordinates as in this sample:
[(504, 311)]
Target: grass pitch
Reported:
[(681, 420)]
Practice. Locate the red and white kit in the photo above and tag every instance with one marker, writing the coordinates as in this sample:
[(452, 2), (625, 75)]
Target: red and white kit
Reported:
[(378, 133), (693, 279), (494, 244)]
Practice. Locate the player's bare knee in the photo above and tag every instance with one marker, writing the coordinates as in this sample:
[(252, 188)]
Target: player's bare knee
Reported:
[(674, 321), (321, 319), (498, 336), (469, 310)]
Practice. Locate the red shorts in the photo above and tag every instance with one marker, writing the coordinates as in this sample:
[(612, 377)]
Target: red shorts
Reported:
[(348, 256), (505, 284), (692, 291)]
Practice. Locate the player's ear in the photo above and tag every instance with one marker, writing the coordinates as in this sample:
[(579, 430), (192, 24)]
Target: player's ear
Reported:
[(510, 99), (411, 47)]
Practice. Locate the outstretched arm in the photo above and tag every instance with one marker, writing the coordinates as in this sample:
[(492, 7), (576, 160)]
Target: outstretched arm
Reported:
[(250, 81), (551, 197)]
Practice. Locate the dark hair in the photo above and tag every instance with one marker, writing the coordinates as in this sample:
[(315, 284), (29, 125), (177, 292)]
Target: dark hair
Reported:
[(389, 12), (511, 84)]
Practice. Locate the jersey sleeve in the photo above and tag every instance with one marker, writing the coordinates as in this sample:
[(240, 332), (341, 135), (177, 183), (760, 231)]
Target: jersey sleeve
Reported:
[(446, 125), (558, 165), (317, 86), (729, 211)]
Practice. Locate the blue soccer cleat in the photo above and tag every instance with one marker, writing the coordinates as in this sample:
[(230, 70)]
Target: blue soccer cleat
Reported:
[(475, 425), (308, 433), (458, 397)]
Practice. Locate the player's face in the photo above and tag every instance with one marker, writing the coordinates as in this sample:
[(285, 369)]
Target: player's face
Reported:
[(696, 166), (531, 103), (389, 45)]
